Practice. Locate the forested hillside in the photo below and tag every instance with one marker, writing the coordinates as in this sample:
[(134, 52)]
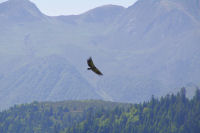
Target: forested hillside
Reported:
[(169, 114)]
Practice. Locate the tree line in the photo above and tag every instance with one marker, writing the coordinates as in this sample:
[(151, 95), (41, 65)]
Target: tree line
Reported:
[(174, 113)]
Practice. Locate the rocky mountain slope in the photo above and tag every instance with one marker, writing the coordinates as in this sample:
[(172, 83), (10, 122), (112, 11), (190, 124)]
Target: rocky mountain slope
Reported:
[(150, 48)]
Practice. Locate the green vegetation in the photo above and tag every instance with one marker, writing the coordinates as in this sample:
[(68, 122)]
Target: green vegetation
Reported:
[(169, 114)]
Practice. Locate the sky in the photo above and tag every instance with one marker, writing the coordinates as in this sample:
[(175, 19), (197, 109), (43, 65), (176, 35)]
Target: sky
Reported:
[(69, 7)]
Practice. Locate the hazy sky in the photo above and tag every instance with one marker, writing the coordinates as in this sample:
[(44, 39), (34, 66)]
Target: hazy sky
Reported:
[(67, 7)]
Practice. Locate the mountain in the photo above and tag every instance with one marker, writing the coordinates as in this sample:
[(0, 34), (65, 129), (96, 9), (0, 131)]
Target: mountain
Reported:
[(20, 11), (148, 22), (160, 44), (149, 48), (103, 14)]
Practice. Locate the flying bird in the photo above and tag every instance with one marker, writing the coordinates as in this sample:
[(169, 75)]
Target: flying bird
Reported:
[(93, 67)]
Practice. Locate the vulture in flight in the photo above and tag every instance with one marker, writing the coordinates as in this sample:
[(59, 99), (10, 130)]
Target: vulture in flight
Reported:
[(93, 67)]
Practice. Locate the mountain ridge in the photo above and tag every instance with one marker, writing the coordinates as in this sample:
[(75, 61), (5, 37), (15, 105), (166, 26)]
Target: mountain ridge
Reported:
[(20, 11), (147, 49)]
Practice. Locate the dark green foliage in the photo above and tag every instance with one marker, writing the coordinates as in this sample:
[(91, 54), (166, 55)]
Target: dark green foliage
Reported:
[(169, 114), (49, 117)]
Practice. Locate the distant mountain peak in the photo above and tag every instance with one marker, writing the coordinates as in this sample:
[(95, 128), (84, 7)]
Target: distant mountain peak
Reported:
[(103, 13), (191, 6), (20, 11), (21, 3), (106, 8), (18, 0)]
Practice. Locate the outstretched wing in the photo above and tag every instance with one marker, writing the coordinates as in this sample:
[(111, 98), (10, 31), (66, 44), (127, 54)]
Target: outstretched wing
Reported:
[(96, 71), (90, 63)]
